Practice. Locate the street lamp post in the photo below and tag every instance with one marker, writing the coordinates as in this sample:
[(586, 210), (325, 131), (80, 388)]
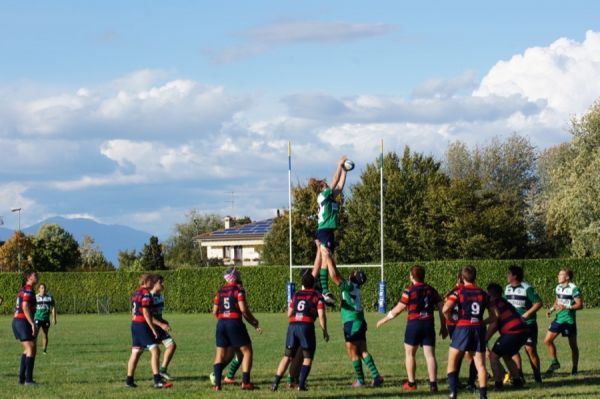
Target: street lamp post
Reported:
[(18, 210)]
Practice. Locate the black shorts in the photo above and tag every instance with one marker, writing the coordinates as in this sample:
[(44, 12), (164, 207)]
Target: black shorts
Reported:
[(420, 333), (141, 336), (354, 334), (22, 330), (564, 329), (42, 323), (232, 333), (162, 334), (510, 344), (533, 335), (327, 238), (300, 335), (469, 339)]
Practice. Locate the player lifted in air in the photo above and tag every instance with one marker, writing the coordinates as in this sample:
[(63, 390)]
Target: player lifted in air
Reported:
[(568, 300), (355, 326), (306, 305), (45, 306), (163, 328), (527, 302), (229, 307), (422, 301), (327, 224), (469, 333), (24, 327), (143, 332), (514, 333)]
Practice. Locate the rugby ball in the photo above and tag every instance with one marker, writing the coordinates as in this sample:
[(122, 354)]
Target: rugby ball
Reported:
[(348, 165)]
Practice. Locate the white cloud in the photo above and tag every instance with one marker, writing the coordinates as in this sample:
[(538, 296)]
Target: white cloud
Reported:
[(14, 195), (445, 88), (262, 38)]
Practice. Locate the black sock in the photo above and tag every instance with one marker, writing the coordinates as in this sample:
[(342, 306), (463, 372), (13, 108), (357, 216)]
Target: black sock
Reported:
[(129, 380), (453, 382), (29, 364), (537, 376), (22, 369), (304, 371), (498, 384), (483, 393), (246, 377), (156, 378), (472, 373), (433, 384), (218, 371), (277, 380)]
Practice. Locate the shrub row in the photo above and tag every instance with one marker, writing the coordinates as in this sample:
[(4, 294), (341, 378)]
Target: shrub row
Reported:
[(192, 290)]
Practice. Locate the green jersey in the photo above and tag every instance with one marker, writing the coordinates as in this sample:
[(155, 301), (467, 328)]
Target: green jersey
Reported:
[(328, 209), (352, 309), (44, 305), (522, 297), (566, 296)]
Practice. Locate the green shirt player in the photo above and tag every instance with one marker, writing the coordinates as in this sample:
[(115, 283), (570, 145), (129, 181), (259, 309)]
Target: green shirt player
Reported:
[(527, 302), (44, 308), (327, 224), (568, 300), (355, 326)]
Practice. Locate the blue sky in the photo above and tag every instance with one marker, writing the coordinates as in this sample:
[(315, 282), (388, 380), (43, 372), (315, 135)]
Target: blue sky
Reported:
[(135, 112)]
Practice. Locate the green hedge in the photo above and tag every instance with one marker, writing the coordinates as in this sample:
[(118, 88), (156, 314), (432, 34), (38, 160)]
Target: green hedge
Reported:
[(192, 290)]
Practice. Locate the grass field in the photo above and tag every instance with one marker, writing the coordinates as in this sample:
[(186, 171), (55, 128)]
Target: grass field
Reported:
[(88, 354)]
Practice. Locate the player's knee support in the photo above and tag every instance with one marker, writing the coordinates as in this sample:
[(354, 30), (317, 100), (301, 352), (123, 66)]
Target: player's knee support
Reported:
[(308, 353), (168, 342), (290, 352)]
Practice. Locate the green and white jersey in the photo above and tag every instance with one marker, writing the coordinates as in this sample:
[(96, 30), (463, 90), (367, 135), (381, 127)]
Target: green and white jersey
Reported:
[(565, 295), (43, 306), (352, 309), (328, 209), (522, 297)]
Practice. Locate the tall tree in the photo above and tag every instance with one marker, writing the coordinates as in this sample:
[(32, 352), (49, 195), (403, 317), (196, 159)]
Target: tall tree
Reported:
[(18, 245), (152, 257), (92, 258), (129, 261), (181, 248), (55, 249)]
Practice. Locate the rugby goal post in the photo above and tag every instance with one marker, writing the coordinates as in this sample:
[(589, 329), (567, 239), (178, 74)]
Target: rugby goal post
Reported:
[(382, 288)]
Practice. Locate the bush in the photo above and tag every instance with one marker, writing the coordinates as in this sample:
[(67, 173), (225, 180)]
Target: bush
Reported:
[(193, 290)]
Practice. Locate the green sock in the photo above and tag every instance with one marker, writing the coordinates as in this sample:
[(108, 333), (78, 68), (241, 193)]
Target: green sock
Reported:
[(233, 367), (163, 370), (360, 376), (323, 277), (371, 365)]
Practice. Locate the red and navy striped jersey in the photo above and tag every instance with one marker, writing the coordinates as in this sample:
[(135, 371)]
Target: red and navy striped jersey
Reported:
[(509, 319), (472, 302), (305, 305), (26, 294), (421, 300), (454, 312), (228, 300), (142, 298)]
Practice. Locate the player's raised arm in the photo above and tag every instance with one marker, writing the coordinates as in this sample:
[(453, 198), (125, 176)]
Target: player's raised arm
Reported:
[(335, 276), (337, 176)]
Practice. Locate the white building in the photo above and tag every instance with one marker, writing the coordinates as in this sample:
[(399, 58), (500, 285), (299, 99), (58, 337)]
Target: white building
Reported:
[(239, 245)]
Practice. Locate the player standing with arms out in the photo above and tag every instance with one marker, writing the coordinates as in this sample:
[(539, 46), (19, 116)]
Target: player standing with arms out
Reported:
[(514, 333), (527, 302), (568, 300), (469, 333), (306, 305), (163, 328), (421, 300), (327, 224), (355, 326), (24, 327), (229, 308), (143, 332), (45, 306)]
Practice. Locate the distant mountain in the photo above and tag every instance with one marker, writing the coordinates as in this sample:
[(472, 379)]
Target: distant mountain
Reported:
[(110, 238)]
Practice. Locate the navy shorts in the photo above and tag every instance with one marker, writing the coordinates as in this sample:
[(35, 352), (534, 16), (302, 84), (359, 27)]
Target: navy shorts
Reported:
[(327, 238), (451, 329), (533, 335), (141, 336), (564, 329), (22, 330), (359, 334), (232, 333), (510, 344), (162, 334), (300, 335), (42, 323), (469, 339), (420, 333)]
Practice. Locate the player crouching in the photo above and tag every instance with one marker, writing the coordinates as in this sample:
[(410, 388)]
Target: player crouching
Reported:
[(514, 333), (304, 308)]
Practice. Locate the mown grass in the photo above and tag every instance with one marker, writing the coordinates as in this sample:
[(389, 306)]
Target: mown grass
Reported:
[(88, 354)]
